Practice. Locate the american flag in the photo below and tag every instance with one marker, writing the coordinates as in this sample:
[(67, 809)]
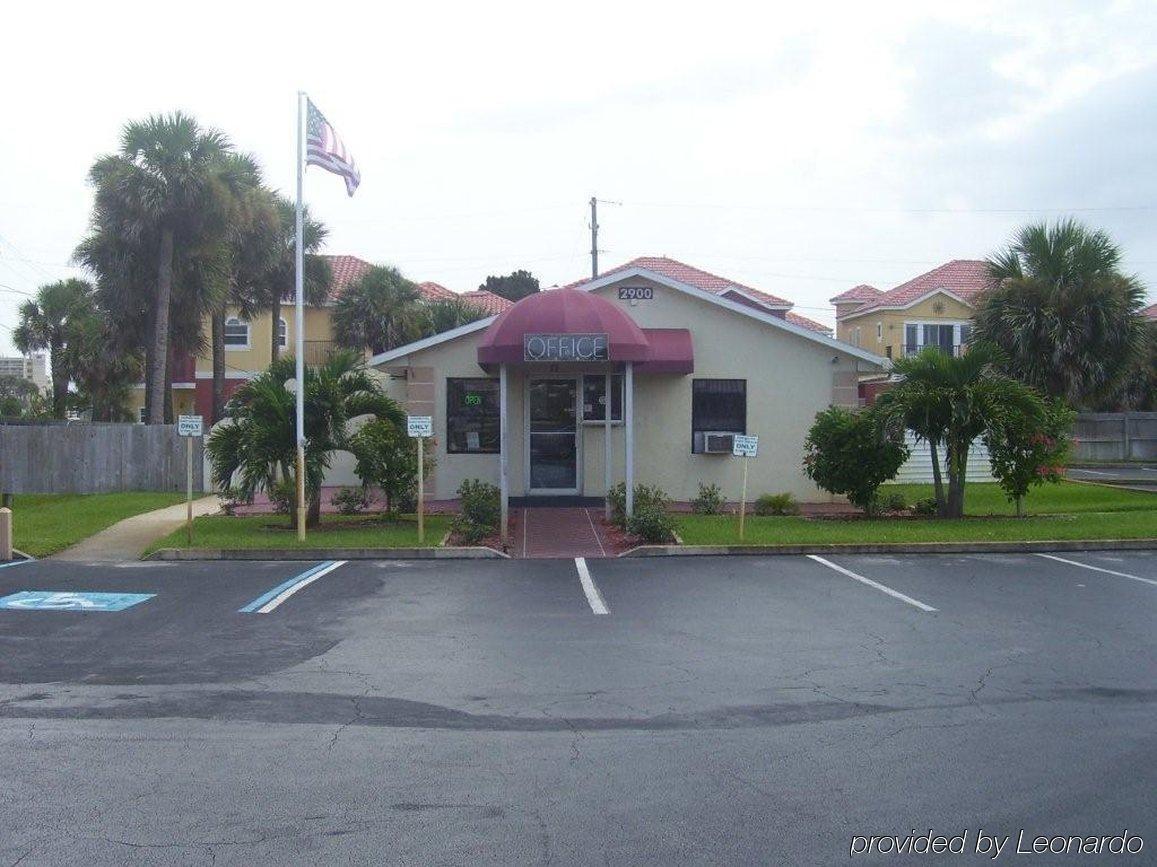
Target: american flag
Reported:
[(323, 148)]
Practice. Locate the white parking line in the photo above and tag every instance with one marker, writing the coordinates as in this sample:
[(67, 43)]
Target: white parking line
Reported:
[(1092, 472), (895, 594), (594, 597), (267, 602), (1099, 569)]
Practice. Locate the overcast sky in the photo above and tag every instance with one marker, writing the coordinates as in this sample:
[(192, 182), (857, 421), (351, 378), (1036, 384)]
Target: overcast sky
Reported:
[(801, 151)]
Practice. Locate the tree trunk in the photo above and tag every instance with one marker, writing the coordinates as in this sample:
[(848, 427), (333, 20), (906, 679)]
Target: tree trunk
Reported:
[(169, 365), (218, 340), (1020, 507), (313, 510), (957, 470), (937, 478), (155, 387), (275, 338), (59, 380)]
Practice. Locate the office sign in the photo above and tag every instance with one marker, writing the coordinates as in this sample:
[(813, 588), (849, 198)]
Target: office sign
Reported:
[(420, 425), (744, 446), (565, 347), (58, 600), (189, 425)]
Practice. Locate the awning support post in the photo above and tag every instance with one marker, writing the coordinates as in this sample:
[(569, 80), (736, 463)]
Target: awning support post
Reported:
[(629, 434), (608, 452), (503, 451)]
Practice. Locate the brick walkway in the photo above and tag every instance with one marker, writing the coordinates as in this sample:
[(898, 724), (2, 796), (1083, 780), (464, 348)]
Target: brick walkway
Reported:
[(562, 532)]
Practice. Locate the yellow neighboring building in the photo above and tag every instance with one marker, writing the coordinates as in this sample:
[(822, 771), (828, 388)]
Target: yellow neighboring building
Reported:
[(248, 343), (933, 309)]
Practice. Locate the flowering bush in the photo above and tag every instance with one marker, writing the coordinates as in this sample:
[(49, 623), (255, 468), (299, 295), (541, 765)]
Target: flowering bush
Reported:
[(1027, 451)]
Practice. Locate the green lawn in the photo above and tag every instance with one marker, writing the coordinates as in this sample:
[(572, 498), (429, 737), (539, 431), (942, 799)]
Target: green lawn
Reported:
[(1059, 499), (336, 531), (44, 524), (1055, 512)]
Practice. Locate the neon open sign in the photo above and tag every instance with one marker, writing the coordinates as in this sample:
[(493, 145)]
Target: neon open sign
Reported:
[(565, 347)]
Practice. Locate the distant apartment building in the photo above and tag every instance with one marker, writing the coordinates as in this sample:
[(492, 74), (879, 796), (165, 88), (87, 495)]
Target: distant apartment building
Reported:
[(34, 368), (248, 342), (932, 309)]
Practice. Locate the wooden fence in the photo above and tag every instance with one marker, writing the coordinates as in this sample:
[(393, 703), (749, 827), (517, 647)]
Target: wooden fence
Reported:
[(95, 458), (1116, 436)]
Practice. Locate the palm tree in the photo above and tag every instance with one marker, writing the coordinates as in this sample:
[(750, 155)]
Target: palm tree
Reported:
[(48, 322), (277, 283), (165, 192), (259, 445), (953, 400), (253, 248), (443, 314), (1065, 316), (379, 311)]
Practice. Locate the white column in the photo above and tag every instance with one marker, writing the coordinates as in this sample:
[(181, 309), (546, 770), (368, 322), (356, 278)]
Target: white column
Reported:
[(608, 452), (629, 434), (503, 450)]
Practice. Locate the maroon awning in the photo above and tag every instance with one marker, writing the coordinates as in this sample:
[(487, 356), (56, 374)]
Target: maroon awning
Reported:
[(670, 351), (562, 312)]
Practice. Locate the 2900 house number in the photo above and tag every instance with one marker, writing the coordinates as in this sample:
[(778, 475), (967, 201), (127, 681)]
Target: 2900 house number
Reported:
[(636, 293)]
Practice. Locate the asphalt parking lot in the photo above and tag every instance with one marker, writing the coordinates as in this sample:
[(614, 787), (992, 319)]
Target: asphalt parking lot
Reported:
[(687, 710)]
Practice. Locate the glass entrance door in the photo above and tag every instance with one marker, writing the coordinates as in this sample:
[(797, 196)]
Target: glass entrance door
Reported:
[(552, 436)]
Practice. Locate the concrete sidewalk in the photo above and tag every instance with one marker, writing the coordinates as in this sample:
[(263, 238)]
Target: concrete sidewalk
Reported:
[(127, 539)]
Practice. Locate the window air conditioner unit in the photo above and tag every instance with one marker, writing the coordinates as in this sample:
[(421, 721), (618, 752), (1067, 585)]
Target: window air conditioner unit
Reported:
[(717, 442)]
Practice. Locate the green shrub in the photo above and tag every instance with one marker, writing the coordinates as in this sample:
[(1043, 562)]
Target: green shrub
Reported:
[(350, 501), (468, 531), (709, 500), (1026, 451), (926, 506), (645, 497), (651, 524), (283, 496), (847, 453), (481, 503), (776, 504), (231, 498), (892, 502)]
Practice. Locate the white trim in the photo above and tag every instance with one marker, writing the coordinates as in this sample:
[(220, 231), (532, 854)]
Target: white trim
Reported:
[(852, 314), (229, 374), (632, 273), (736, 307), (433, 340), (184, 385), (753, 299)]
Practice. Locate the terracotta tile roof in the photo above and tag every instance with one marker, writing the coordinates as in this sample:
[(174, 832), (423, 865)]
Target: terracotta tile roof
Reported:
[(863, 292), (434, 291), (809, 324), (692, 276), (487, 301), (1150, 312), (964, 278), (346, 269)]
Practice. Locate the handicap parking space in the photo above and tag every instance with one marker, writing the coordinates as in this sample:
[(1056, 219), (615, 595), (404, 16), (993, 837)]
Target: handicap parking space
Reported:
[(71, 621)]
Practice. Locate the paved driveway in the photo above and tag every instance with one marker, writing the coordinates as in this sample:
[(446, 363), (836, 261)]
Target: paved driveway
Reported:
[(701, 710)]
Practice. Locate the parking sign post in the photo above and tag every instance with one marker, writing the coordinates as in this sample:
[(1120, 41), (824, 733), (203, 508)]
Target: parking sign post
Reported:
[(745, 447), (189, 426), (420, 427)]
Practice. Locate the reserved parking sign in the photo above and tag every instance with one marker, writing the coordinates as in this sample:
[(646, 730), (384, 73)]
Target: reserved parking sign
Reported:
[(744, 446)]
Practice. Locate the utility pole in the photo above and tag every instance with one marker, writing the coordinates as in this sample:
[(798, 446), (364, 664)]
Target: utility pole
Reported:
[(595, 242)]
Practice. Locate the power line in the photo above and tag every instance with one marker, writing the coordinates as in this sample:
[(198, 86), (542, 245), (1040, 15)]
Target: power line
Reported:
[(865, 210)]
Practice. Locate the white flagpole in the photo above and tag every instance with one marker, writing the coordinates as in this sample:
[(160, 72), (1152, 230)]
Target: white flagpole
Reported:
[(299, 320)]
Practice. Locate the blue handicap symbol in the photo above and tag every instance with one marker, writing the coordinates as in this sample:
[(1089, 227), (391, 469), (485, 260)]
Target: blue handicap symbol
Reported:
[(66, 600)]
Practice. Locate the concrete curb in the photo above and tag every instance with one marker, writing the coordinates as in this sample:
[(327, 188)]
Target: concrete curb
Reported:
[(465, 553), (895, 548)]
